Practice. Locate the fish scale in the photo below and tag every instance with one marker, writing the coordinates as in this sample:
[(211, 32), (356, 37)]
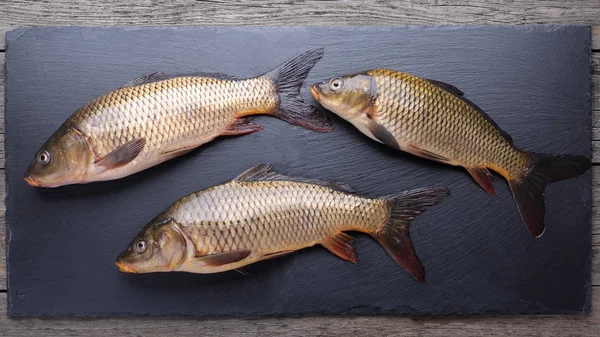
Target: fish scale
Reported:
[(441, 123), (434, 120), (276, 220), (262, 214), (157, 117), (187, 108)]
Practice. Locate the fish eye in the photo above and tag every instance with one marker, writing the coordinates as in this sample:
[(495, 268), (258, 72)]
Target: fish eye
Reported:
[(140, 246), (336, 84), (43, 157)]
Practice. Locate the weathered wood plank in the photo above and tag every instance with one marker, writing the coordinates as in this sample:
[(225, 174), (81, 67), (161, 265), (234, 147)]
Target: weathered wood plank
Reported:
[(314, 326), (2, 226), (3, 284), (57, 14), (2, 103), (18, 13)]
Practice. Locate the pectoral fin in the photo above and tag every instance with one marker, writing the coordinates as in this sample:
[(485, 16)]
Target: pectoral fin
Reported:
[(219, 259), (382, 135), (340, 244), (122, 155)]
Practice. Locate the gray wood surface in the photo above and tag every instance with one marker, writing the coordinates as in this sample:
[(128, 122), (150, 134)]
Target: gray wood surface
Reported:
[(20, 13)]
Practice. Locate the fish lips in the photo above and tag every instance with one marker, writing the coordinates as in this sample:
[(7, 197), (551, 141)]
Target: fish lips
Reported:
[(32, 181), (123, 267), (315, 91)]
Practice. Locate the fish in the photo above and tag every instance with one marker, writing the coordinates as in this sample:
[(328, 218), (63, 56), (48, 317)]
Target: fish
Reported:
[(158, 117), (262, 214), (433, 120)]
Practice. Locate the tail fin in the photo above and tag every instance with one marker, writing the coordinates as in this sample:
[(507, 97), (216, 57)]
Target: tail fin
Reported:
[(394, 235), (292, 108), (528, 190)]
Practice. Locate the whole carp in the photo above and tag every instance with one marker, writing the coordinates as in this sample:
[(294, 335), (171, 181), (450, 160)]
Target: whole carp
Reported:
[(433, 120), (157, 117), (262, 214)]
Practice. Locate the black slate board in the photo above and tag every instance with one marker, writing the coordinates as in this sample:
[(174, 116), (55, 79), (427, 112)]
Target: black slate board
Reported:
[(533, 80)]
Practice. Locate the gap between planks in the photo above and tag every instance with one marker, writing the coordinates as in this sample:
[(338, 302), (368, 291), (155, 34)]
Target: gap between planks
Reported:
[(444, 326), (18, 13), (574, 325)]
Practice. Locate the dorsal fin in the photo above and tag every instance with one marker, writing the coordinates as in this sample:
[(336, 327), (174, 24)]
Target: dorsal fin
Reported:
[(219, 76), (459, 94), (160, 76), (445, 86), (264, 172), (154, 77)]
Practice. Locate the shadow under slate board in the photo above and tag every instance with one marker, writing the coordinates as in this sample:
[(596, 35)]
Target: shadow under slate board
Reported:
[(478, 256)]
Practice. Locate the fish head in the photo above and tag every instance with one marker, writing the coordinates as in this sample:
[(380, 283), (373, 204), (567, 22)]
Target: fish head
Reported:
[(64, 159), (159, 247), (350, 97)]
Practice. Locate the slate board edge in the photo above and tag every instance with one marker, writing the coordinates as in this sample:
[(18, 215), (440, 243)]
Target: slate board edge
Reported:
[(586, 309)]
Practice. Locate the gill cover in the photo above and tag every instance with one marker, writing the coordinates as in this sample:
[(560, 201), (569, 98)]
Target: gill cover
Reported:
[(354, 98), (159, 247), (64, 159)]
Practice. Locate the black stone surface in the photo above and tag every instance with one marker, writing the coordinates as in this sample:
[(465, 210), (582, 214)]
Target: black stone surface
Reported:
[(478, 256)]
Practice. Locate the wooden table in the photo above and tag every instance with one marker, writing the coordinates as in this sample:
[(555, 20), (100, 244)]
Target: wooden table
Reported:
[(18, 13)]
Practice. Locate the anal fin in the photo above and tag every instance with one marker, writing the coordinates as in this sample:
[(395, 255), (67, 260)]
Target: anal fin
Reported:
[(340, 244), (483, 177), (242, 126)]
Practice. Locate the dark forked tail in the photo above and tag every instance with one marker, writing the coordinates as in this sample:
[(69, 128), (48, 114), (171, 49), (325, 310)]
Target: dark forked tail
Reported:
[(292, 108), (394, 235), (528, 190)]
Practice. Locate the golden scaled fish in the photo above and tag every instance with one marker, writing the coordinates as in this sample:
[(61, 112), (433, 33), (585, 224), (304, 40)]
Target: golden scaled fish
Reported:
[(157, 117), (262, 214), (433, 120)]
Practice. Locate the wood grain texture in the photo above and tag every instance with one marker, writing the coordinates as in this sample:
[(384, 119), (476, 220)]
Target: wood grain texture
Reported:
[(93, 12), (534, 326), (17, 13)]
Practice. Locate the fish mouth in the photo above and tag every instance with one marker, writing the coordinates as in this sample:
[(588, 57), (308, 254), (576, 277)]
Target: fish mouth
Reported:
[(314, 91), (124, 267), (32, 181)]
